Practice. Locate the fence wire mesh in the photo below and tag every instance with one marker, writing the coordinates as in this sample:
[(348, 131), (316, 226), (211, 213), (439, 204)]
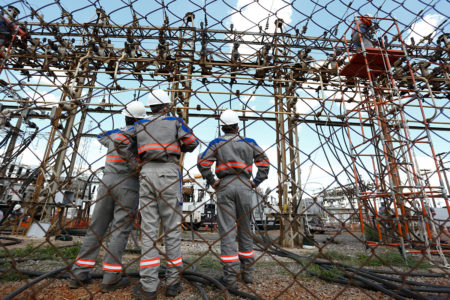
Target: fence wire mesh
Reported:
[(125, 174)]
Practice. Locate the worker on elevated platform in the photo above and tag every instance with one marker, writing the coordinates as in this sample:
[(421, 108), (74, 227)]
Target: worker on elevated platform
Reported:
[(364, 33), (116, 205), (234, 156), (9, 30), (159, 142)]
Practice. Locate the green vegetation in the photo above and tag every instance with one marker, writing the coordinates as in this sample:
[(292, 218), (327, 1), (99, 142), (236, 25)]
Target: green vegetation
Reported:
[(391, 258), (11, 275), (379, 258), (335, 255), (371, 234), (332, 273), (46, 252), (290, 269), (31, 252), (209, 262)]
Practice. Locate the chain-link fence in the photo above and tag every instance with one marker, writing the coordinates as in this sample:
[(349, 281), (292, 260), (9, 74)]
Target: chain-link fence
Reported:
[(215, 149)]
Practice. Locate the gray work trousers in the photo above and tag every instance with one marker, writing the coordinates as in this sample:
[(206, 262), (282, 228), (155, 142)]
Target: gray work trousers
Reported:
[(117, 202), (160, 199), (357, 42), (234, 199)]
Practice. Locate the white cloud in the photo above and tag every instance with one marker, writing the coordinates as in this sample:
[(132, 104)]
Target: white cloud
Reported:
[(31, 157), (250, 14), (425, 27), (305, 106), (47, 99), (59, 78)]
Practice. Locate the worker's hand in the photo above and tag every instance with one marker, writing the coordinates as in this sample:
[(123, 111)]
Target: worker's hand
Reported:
[(254, 186), (216, 184)]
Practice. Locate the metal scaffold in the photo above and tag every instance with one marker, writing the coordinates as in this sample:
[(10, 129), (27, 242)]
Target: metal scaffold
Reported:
[(93, 64), (297, 149), (389, 146)]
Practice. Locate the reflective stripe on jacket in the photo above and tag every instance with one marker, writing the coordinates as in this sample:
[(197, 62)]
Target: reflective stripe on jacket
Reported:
[(233, 155), (116, 161), (161, 138)]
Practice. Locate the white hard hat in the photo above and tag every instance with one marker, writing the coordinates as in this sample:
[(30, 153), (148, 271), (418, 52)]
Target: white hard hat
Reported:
[(368, 15), (134, 109), (158, 97), (229, 117), (13, 11), (17, 207)]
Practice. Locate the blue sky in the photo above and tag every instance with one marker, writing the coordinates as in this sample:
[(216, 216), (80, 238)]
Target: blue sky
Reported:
[(245, 15)]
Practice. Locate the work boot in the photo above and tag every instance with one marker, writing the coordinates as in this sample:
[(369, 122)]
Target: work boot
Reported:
[(228, 286), (121, 283), (173, 290), (140, 294), (247, 278), (74, 284)]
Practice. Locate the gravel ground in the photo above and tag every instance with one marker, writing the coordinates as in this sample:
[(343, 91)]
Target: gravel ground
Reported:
[(275, 277), (278, 287)]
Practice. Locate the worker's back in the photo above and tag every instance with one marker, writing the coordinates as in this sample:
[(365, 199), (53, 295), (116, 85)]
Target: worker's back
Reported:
[(116, 162), (162, 138), (234, 155)]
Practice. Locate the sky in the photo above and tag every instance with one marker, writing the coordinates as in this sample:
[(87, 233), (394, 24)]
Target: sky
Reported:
[(321, 166)]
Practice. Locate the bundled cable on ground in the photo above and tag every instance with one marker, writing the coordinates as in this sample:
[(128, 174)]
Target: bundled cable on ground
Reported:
[(33, 282), (363, 278), (12, 241), (197, 279), (83, 60)]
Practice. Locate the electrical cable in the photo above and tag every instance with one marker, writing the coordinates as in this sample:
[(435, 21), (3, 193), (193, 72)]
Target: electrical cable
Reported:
[(33, 282), (6, 138), (353, 276), (89, 180), (12, 241), (414, 285), (200, 289), (24, 145), (188, 275)]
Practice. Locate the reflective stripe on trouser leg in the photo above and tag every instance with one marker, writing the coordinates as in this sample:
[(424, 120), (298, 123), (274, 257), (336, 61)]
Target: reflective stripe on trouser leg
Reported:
[(160, 194), (111, 268), (226, 218), (102, 216), (85, 262), (122, 224), (244, 235), (148, 263)]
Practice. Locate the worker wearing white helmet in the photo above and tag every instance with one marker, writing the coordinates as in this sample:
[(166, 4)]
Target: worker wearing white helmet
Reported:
[(229, 117), (159, 141), (17, 207), (134, 110), (158, 97), (234, 157), (362, 32), (116, 205)]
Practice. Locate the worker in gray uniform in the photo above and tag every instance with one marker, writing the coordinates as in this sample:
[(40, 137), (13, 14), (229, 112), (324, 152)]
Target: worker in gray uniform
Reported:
[(159, 141), (116, 205), (234, 156)]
